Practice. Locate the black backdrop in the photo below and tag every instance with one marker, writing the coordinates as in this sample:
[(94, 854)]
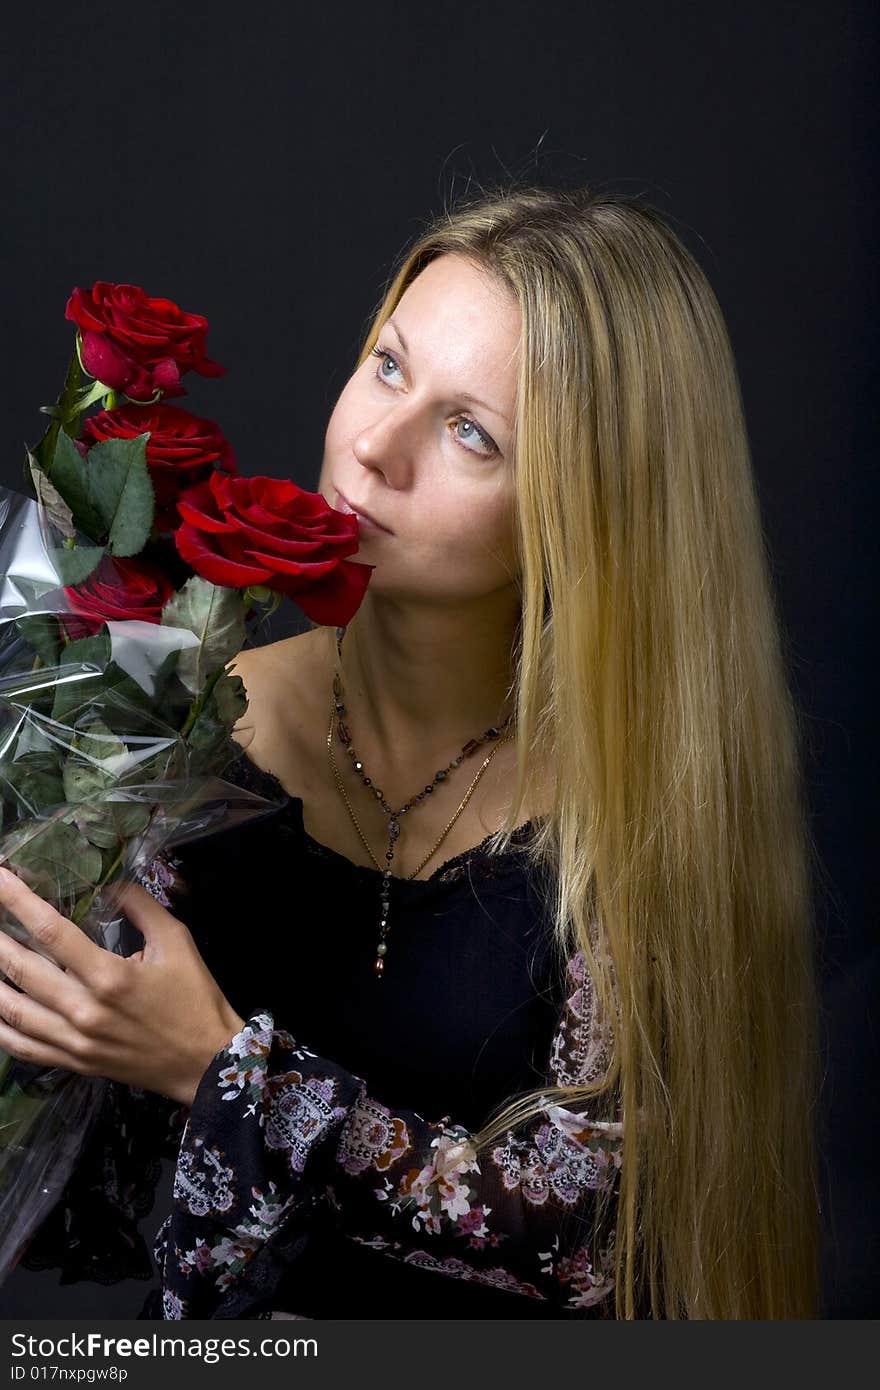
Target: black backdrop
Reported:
[(263, 165)]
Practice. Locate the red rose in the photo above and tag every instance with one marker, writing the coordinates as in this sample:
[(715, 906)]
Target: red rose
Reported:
[(138, 345), (117, 590), (263, 531), (182, 449)]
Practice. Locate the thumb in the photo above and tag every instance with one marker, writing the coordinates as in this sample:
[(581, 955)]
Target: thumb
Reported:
[(152, 920)]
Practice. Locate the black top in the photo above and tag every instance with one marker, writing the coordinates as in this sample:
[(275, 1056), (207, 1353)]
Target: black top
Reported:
[(464, 1013), (468, 1012)]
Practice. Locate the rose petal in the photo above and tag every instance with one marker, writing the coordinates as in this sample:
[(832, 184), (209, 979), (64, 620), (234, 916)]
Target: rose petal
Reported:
[(219, 569), (335, 601), (208, 368), (103, 360), (313, 570), (345, 545), (166, 374), (79, 311), (189, 504)]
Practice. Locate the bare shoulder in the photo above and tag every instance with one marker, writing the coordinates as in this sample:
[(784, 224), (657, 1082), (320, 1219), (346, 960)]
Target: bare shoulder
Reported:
[(284, 683)]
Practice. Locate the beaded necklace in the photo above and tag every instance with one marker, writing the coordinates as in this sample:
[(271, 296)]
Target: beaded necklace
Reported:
[(337, 713)]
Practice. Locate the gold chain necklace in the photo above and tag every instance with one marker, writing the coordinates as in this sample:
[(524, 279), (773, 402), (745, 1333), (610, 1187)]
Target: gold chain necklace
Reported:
[(470, 748)]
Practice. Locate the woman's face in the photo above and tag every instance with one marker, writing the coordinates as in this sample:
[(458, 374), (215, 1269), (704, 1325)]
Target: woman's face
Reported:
[(406, 444)]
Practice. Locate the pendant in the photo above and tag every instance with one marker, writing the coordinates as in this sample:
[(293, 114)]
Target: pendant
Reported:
[(384, 899)]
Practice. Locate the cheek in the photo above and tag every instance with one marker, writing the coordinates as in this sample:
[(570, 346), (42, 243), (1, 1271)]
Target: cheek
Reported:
[(337, 444), (335, 425), (476, 530)]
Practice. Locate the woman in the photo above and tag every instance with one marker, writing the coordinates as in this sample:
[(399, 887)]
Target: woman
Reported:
[(570, 573)]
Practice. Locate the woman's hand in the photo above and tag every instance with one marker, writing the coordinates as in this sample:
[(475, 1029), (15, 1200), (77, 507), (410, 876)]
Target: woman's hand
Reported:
[(155, 1019)]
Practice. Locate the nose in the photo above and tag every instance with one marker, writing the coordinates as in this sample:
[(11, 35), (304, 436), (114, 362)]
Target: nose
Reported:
[(388, 444)]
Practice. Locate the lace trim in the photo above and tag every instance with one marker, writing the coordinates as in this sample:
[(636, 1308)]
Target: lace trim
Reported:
[(476, 861)]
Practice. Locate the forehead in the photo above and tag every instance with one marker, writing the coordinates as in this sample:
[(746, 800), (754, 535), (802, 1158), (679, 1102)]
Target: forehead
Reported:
[(457, 309)]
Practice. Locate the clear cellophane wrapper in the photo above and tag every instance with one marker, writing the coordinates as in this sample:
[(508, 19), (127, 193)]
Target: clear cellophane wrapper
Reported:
[(102, 769)]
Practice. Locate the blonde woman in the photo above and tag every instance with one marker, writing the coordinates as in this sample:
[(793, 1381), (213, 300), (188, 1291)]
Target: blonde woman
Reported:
[(509, 1008)]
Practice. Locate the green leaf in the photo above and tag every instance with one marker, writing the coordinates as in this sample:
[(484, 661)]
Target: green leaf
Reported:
[(216, 615), (40, 631), (107, 824), (55, 858), (230, 698), (70, 394), (50, 498), (32, 781), (99, 764), (64, 414), (97, 761), (70, 476), (96, 824), (122, 493), (209, 735), (74, 566), (129, 692), (131, 817), (34, 690), (72, 694), (89, 396)]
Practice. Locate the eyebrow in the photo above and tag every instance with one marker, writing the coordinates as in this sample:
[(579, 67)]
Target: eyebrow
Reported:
[(463, 395)]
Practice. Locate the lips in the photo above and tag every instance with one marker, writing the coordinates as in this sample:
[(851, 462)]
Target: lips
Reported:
[(359, 512)]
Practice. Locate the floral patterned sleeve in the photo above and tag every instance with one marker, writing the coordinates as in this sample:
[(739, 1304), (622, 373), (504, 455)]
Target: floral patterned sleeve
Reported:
[(276, 1132)]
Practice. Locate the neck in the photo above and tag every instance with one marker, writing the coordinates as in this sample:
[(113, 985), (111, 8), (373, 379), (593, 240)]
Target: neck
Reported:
[(419, 684)]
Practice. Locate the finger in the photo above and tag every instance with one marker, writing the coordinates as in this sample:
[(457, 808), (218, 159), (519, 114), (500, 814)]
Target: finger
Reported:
[(37, 975), (41, 1025), (28, 1049), (61, 938)]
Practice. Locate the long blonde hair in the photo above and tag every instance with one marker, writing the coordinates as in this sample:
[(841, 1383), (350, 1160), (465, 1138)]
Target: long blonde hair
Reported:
[(649, 674)]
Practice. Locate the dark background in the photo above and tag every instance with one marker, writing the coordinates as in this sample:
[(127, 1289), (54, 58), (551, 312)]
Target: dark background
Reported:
[(263, 166)]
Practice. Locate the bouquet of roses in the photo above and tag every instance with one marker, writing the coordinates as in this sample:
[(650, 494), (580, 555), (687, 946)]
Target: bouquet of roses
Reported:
[(133, 569)]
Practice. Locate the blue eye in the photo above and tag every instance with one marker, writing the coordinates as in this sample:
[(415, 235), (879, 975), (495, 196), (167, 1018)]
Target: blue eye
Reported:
[(377, 352), (489, 443)]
